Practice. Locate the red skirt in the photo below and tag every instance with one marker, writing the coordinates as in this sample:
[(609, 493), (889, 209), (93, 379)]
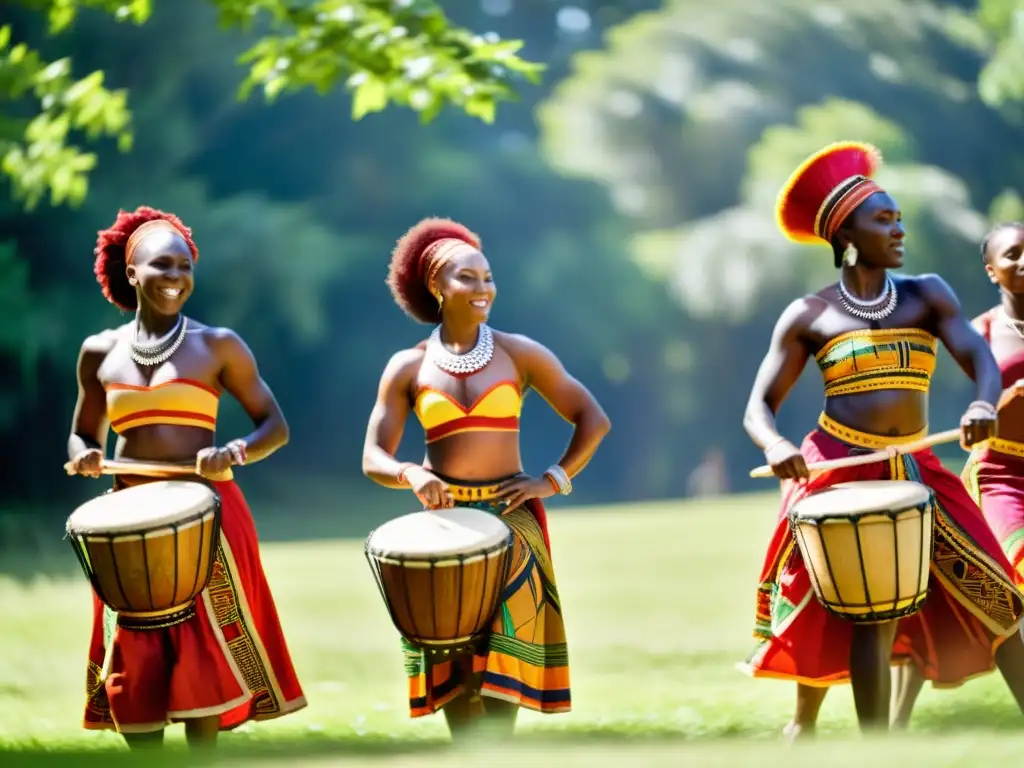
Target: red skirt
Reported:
[(229, 660), (973, 604), (995, 480)]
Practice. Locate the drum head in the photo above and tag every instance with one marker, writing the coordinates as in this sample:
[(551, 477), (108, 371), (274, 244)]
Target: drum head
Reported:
[(844, 499), (149, 505), (438, 533)]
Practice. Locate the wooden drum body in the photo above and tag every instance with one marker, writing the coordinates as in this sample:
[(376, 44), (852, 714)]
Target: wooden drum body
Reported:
[(149, 550), (867, 547), (441, 574)]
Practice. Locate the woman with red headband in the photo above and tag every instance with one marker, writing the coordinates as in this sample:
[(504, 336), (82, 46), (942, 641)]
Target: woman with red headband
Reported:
[(157, 382), (466, 384), (874, 337)]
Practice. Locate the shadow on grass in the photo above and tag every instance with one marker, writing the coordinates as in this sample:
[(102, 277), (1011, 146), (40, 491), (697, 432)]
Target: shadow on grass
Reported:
[(938, 718), (233, 750), (243, 748)]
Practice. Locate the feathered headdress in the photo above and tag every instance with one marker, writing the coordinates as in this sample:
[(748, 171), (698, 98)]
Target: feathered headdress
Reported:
[(826, 188)]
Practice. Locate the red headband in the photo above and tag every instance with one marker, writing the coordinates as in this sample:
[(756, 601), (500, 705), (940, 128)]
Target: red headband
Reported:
[(439, 253), (140, 234)]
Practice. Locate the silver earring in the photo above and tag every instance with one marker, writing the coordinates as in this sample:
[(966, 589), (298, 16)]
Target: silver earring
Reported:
[(850, 255)]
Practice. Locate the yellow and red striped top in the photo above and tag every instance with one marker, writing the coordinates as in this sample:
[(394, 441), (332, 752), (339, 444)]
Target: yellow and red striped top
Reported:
[(496, 410), (178, 402)]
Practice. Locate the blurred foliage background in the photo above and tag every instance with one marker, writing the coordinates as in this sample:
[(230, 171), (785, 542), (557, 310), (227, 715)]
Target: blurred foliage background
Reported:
[(620, 160)]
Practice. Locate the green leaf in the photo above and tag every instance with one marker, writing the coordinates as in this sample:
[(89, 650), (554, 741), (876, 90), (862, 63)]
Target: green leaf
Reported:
[(371, 96), (274, 86), (481, 107)]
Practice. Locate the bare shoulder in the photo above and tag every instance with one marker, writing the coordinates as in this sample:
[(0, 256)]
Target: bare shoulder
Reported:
[(519, 346), (100, 344), (933, 290), (929, 285), (215, 334), (800, 314), (223, 341), (404, 365), (94, 352), (982, 322)]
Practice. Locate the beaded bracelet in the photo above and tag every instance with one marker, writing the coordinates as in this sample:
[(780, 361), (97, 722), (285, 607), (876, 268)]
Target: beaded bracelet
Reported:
[(560, 478)]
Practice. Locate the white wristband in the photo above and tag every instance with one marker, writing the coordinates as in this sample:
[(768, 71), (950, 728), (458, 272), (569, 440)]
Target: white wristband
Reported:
[(561, 478), (983, 404)]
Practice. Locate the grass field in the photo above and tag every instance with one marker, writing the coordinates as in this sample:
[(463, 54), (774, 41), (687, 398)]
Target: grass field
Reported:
[(658, 602)]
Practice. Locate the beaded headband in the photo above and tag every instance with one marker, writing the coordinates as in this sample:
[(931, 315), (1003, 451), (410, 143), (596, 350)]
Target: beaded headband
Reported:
[(843, 201)]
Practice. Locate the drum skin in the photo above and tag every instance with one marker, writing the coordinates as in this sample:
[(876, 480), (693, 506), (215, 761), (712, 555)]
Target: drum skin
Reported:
[(445, 600), (870, 565), (151, 575)]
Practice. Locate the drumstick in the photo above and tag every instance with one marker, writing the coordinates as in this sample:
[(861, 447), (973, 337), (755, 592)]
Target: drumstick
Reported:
[(949, 436), (143, 468)]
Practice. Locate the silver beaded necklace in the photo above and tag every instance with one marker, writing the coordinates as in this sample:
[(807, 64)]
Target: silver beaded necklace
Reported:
[(159, 351), (470, 362), (877, 308)]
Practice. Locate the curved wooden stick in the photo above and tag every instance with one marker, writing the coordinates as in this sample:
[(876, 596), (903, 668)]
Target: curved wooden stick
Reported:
[(949, 436), (142, 468)]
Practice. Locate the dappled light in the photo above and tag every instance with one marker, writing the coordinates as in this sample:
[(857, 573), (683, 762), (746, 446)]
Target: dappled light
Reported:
[(621, 163)]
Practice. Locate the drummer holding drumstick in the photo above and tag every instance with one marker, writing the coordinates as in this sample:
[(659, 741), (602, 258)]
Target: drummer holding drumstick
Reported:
[(874, 338), (156, 382), (466, 384), (994, 473)]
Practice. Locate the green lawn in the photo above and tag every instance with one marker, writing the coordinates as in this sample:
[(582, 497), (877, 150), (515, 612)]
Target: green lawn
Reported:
[(658, 601)]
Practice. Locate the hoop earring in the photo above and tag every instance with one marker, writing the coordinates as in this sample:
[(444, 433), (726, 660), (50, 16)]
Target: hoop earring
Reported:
[(850, 256)]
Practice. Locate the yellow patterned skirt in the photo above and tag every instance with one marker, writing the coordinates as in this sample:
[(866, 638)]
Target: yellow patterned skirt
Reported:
[(524, 660)]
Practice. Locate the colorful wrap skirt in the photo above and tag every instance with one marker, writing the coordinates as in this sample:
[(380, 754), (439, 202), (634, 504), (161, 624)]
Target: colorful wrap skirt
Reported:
[(974, 601), (524, 659), (228, 660)]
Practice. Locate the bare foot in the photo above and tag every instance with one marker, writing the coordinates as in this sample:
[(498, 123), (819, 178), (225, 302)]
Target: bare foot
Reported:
[(793, 733)]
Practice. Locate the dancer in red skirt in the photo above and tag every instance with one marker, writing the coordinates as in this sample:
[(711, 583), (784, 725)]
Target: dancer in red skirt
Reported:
[(156, 382), (874, 337)]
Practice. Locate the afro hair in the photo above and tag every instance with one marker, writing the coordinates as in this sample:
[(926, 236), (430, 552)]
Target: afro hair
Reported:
[(408, 270), (110, 264)]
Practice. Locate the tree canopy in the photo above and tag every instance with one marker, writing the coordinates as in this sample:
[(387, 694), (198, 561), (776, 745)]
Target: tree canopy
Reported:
[(405, 53)]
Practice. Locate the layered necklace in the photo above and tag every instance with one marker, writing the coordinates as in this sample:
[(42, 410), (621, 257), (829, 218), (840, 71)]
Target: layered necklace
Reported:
[(156, 352), (469, 362), (877, 308)]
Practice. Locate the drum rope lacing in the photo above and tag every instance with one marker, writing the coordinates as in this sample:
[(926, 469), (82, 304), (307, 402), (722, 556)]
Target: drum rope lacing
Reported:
[(873, 612), (149, 617), (415, 637)]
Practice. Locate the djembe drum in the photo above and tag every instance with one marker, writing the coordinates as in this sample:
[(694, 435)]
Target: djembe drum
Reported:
[(868, 547), (441, 574), (149, 549)]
